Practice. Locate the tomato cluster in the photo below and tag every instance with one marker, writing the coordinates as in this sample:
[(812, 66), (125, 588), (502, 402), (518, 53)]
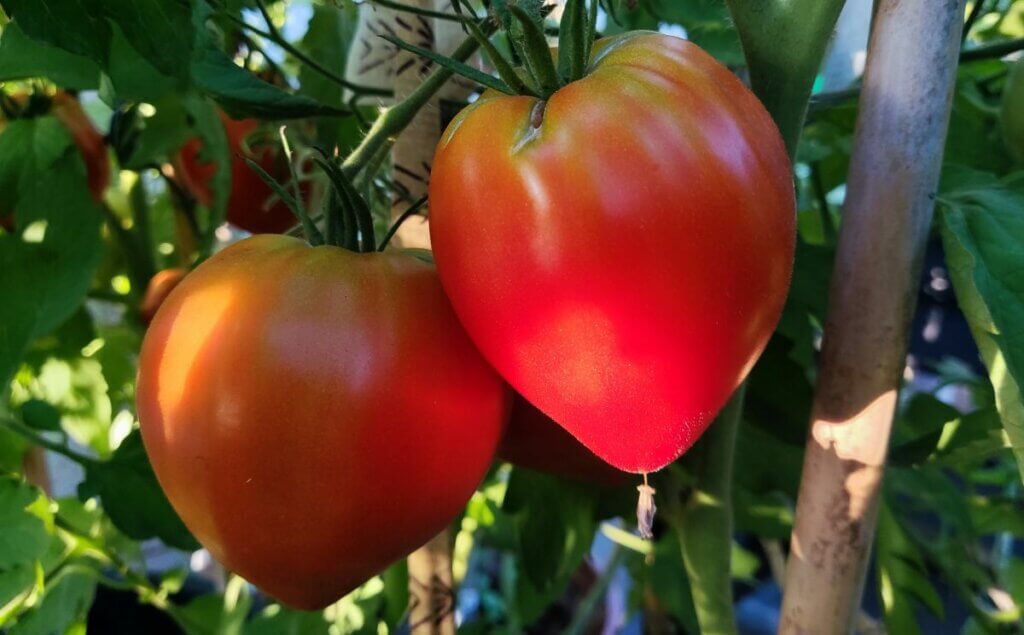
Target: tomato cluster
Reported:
[(623, 284)]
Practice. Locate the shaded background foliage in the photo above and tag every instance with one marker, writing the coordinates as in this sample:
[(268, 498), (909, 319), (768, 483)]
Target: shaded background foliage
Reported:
[(154, 74)]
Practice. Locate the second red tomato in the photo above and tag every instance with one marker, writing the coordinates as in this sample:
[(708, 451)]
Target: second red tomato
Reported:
[(622, 252)]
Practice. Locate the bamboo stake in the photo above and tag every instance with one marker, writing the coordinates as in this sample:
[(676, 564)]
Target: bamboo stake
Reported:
[(901, 129)]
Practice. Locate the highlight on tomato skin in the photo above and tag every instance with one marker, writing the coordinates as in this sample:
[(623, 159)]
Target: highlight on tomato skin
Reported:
[(252, 204), (625, 282), (281, 387)]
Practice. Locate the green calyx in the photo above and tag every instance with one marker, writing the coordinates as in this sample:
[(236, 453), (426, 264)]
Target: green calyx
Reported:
[(348, 220)]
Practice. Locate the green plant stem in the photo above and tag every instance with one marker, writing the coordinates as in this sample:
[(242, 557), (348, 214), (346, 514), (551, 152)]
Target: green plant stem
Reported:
[(782, 76), (972, 17), (993, 50), (828, 230), (143, 228), (588, 605), (394, 119), (140, 267), (36, 438), (703, 521)]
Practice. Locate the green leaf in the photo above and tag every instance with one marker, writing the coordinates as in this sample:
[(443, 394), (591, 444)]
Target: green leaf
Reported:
[(162, 135), (327, 40), (242, 94), (132, 498), (280, 620), (64, 604), (23, 535), (15, 585), (239, 92), (40, 415), (996, 515), (132, 76), (455, 66), (22, 57), (161, 31), (76, 388), (555, 521), (215, 149), (46, 270), (903, 580), (535, 50), (662, 576), (573, 35), (76, 26), (981, 231), (919, 429)]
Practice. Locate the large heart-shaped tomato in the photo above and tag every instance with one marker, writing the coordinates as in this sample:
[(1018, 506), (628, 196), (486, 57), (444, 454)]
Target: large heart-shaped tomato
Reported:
[(622, 252), (314, 414)]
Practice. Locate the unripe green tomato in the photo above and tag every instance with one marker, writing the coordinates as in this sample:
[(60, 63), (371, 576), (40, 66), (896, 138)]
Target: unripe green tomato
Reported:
[(1011, 115)]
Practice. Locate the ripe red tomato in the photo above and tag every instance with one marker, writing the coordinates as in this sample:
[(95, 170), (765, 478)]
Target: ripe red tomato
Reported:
[(90, 143), (622, 253), (314, 414), (532, 440), (252, 204), (159, 287)]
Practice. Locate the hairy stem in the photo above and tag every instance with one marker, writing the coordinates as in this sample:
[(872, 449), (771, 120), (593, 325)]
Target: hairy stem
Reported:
[(394, 119), (782, 76)]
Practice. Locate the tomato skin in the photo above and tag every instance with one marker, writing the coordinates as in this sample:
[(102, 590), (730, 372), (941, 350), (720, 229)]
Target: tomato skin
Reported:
[(247, 206), (314, 414), (1011, 113), (622, 266), (532, 440), (159, 287)]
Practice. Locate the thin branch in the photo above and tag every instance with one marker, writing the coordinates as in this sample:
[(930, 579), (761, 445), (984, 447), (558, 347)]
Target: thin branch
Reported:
[(972, 17), (584, 614), (828, 229), (36, 438), (408, 213), (992, 51)]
